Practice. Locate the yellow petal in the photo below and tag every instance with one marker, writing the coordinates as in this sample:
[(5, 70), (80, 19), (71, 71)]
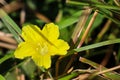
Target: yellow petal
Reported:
[(42, 60), (60, 49), (30, 33), (24, 50), (51, 31)]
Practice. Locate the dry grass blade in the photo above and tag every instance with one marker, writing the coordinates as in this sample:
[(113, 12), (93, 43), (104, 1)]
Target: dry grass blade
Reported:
[(82, 77), (5, 34), (83, 37), (108, 73), (22, 16), (8, 46), (88, 28), (81, 24), (104, 30), (42, 17), (108, 70), (13, 6), (7, 41), (77, 31), (117, 2)]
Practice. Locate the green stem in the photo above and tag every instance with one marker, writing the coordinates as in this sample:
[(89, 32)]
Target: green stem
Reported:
[(6, 57)]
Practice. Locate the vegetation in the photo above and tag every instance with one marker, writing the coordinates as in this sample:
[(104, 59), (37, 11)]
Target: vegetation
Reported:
[(90, 27)]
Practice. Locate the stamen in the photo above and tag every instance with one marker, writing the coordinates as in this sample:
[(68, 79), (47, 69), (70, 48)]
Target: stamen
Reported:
[(42, 49)]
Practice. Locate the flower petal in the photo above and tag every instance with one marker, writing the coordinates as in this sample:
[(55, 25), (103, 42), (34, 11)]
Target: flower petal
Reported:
[(42, 60), (60, 49), (51, 31), (24, 50), (30, 33)]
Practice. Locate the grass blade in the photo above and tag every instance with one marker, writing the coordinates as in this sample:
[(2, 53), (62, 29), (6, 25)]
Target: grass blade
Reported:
[(6, 57), (96, 45), (111, 74), (11, 25)]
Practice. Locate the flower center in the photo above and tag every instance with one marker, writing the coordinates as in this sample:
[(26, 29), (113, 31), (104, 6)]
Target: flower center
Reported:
[(42, 49)]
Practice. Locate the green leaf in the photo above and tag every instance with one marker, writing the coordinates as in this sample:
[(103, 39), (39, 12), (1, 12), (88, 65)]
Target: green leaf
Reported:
[(1, 77), (29, 68), (71, 20), (6, 57), (96, 45), (69, 76), (11, 75), (31, 4)]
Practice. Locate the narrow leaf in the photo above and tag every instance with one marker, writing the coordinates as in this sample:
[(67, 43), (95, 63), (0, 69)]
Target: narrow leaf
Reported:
[(96, 45), (71, 20), (11, 25), (1, 77), (6, 57), (69, 76)]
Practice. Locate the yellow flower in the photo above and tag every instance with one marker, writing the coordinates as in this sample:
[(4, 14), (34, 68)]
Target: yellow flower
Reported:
[(40, 45)]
